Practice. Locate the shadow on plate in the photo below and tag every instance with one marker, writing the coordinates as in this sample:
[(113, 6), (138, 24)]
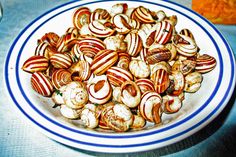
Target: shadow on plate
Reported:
[(224, 145)]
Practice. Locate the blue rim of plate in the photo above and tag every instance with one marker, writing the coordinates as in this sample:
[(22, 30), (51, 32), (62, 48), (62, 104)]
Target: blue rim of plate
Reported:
[(121, 136)]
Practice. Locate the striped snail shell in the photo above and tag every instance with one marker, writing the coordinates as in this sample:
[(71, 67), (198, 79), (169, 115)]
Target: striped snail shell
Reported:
[(41, 84), (143, 15), (75, 95), (122, 23), (90, 46), (81, 17), (134, 44), (99, 29), (118, 8), (145, 85), (60, 77), (103, 61), (161, 65), (51, 38), (143, 54), (187, 32), (74, 31), (147, 34), (99, 90), (161, 80), (100, 14), (80, 71), (151, 107), (124, 60), (117, 76), (205, 63), (130, 94), (115, 43), (44, 49), (163, 32), (60, 60), (66, 42), (185, 45), (171, 104), (139, 68), (35, 63), (157, 54)]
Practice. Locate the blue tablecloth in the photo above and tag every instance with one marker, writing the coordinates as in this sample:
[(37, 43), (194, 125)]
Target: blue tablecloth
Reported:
[(19, 139)]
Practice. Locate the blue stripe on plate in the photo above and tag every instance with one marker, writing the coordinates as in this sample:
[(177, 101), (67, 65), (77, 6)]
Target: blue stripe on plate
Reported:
[(123, 136)]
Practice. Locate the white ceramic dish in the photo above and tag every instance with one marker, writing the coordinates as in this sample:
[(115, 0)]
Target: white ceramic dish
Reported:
[(198, 110)]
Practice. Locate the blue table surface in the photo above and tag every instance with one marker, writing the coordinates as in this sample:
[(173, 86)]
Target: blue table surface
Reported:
[(19, 139)]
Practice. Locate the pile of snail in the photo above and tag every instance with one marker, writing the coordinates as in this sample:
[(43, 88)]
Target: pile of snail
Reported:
[(118, 69)]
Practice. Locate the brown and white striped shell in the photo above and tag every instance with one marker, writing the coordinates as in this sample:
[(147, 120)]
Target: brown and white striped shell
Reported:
[(60, 60), (124, 60), (80, 71), (117, 76), (151, 107), (44, 49), (122, 23), (130, 94), (145, 85), (35, 63), (51, 38), (90, 46), (60, 77), (100, 14), (99, 90), (81, 17), (100, 29), (205, 63), (74, 31), (157, 54), (66, 42), (161, 80), (103, 61), (41, 84), (142, 15), (134, 44), (139, 68), (185, 45)]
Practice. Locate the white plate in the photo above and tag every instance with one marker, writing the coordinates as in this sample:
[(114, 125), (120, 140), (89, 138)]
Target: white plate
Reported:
[(198, 110)]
